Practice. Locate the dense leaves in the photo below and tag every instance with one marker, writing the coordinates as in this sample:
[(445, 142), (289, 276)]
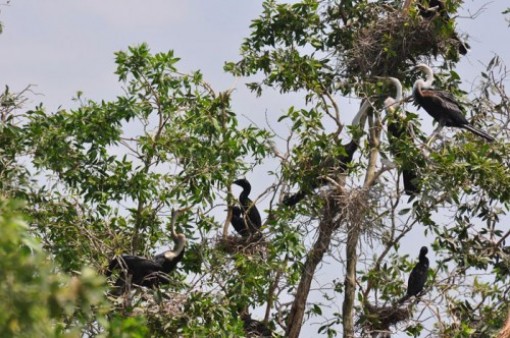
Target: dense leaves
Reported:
[(102, 179)]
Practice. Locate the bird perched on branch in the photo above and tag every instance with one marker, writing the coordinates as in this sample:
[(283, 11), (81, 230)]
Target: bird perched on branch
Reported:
[(148, 272), (441, 105), (342, 162), (418, 276), (239, 222), (250, 213), (398, 132)]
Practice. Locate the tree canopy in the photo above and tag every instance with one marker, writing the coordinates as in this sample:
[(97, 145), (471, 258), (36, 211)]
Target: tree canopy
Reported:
[(80, 186)]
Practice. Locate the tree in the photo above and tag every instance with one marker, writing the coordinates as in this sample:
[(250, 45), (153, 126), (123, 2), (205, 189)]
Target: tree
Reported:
[(103, 179)]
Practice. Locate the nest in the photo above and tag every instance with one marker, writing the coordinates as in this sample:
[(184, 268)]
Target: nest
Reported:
[(379, 319), (385, 47), (252, 245), (255, 328), (348, 207), (151, 304)]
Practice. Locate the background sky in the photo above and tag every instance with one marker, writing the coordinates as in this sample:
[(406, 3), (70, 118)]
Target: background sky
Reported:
[(63, 46)]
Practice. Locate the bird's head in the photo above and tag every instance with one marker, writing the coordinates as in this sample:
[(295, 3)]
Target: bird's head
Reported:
[(242, 182), (423, 251)]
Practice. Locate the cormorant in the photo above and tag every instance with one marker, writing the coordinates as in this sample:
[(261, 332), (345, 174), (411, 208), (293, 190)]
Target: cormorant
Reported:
[(441, 105), (147, 272), (342, 162), (418, 275), (239, 222), (398, 132), (249, 210)]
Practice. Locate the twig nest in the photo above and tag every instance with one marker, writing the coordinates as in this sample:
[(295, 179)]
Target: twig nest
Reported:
[(394, 40), (233, 244), (379, 319)]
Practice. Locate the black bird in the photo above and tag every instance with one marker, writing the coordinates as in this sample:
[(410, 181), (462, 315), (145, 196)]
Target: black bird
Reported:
[(249, 210), (147, 272), (418, 275), (239, 222), (342, 162), (438, 8), (441, 105), (398, 133)]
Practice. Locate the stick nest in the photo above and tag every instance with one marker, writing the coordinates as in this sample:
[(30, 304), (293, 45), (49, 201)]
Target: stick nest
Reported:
[(393, 42), (379, 319), (252, 245), (171, 305)]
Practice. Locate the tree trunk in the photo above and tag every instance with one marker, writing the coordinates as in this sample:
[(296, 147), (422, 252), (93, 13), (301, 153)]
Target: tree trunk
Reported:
[(295, 319), (350, 282)]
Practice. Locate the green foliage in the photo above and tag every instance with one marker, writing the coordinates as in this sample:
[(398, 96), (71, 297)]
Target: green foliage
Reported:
[(102, 179), (37, 300)]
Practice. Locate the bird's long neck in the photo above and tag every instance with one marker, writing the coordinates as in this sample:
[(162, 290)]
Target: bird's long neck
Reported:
[(398, 96), (179, 246), (178, 249), (244, 194), (362, 111), (417, 88), (423, 259)]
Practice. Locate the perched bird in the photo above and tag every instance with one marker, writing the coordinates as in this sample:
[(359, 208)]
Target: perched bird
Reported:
[(397, 133), (239, 222), (341, 162), (418, 275), (147, 272), (248, 208), (441, 105)]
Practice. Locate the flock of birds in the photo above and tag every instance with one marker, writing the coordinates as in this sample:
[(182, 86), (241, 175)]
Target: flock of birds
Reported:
[(246, 219)]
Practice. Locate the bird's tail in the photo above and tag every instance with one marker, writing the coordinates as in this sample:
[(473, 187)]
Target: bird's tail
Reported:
[(478, 132)]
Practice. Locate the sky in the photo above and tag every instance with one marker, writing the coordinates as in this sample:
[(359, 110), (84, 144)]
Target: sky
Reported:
[(63, 46)]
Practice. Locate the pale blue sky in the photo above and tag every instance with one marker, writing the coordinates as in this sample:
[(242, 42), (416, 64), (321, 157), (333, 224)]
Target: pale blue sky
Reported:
[(63, 46)]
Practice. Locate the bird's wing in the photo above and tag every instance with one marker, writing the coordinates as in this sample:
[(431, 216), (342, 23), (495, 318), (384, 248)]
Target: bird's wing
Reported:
[(135, 262), (445, 99), (447, 108), (417, 280)]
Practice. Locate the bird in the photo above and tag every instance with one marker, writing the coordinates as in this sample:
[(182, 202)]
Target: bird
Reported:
[(248, 208), (342, 162), (398, 132), (435, 8), (441, 105), (148, 272), (418, 276), (239, 222)]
